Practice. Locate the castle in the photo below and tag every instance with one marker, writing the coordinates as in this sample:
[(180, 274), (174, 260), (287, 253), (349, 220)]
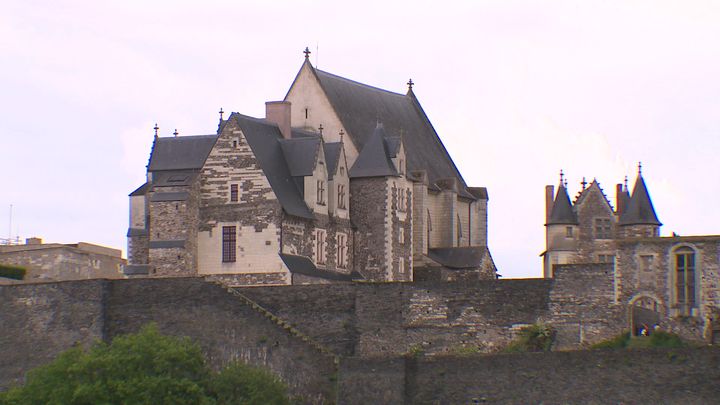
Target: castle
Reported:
[(661, 279), (340, 181)]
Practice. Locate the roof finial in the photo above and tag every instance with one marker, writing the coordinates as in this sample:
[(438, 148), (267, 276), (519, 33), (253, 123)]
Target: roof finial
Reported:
[(639, 168), (562, 176), (320, 128), (156, 129), (583, 183), (626, 181), (410, 84), (342, 134), (221, 113), (176, 132), (307, 53)]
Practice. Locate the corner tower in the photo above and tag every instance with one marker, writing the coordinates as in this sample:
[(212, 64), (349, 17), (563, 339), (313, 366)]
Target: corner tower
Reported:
[(561, 228), (639, 220)]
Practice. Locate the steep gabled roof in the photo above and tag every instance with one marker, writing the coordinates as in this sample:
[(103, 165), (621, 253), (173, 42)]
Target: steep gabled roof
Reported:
[(562, 211), (360, 106), (640, 210), (264, 140), (332, 157), (301, 154), (142, 190), (593, 187), (459, 257), (374, 159), (180, 152)]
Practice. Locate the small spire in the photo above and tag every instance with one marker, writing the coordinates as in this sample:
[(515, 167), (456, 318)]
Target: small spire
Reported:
[(639, 168), (583, 183), (156, 127), (626, 182), (176, 132), (562, 176), (307, 53), (342, 134), (221, 112), (410, 84), (320, 128)]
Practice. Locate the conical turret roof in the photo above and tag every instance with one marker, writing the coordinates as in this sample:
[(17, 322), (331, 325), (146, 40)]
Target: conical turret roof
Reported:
[(639, 209), (562, 212), (374, 159)]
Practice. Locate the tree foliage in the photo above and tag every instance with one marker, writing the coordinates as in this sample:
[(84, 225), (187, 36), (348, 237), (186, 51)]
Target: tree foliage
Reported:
[(144, 368)]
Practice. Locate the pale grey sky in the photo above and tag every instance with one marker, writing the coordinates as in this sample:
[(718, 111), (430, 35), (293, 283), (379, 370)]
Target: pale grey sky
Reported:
[(517, 90)]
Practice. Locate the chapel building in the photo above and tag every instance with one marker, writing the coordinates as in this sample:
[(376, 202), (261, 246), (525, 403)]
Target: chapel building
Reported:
[(340, 181)]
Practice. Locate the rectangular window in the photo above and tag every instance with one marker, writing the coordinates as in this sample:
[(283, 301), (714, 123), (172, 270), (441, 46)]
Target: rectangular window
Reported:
[(401, 265), (321, 192), (401, 200), (341, 242), (569, 232), (401, 236), (685, 279), (234, 193), (320, 246), (606, 258), (228, 244), (341, 196), (603, 229)]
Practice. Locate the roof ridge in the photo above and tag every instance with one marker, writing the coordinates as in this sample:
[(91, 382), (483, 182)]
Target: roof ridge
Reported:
[(359, 83), (187, 137)]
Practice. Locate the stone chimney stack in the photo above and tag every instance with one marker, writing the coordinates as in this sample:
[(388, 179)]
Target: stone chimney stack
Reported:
[(619, 199), (278, 112), (33, 241), (549, 201)]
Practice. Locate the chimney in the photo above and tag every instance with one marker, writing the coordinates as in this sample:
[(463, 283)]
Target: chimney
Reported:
[(33, 241), (549, 201), (619, 199), (278, 112)]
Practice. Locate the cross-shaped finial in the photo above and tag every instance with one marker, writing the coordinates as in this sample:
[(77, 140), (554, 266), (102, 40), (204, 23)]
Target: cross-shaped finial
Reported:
[(176, 132), (320, 128), (410, 84), (307, 52), (156, 129), (562, 175), (639, 168), (626, 183), (583, 183), (221, 113)]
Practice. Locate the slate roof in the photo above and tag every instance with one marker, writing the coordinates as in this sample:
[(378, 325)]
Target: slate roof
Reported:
[(305, 266), (458, 257), (332, 157), (374, 158), (640, 210), (562, 212), (301, 154), (140, 190), (180, 152), (360, 106), (264, 140)]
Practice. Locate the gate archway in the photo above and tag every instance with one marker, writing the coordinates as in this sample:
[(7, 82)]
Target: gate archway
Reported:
[(644, 315)]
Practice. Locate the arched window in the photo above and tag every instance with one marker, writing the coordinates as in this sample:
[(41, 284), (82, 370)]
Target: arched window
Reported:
[(684, 263)]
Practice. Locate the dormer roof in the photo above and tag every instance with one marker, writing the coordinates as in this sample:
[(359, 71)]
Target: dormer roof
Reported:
[(301, 154), (332, 157), (374, 160), (640, 210), (562, 211)]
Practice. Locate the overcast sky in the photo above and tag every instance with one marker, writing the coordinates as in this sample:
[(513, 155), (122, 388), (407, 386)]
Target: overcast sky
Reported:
[(517, 90)]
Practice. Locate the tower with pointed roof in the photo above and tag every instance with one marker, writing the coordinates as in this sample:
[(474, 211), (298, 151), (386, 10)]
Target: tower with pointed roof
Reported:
[(587, 230)]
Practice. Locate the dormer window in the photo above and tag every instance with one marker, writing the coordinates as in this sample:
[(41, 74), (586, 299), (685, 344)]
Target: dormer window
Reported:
[(341, 196), (342, 171), (402, 167), (321, 192), (234, 193)]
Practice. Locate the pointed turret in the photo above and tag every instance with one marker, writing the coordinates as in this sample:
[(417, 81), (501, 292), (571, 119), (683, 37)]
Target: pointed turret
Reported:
[(374, 160), (562, 212), (639, 209)]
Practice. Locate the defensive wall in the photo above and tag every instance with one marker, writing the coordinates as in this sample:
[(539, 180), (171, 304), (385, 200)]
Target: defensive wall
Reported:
[(347, 342)]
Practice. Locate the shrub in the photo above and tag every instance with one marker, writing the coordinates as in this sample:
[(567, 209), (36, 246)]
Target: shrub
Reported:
[(656, 339), (144, 368), (618, 342), (13, 272), (534, 338)]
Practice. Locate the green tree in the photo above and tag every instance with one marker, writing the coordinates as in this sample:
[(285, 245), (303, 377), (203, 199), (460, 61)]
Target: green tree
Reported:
[(144, 368)]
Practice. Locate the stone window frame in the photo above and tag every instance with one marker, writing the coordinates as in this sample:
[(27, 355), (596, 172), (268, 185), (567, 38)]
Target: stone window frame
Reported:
[(320, 192), (602, 228), (569, 233), (341, 196), (234, 192), (229, 244), (459, 228), (402, 200), (606, 258), (341, 243), (401, 235), (401, 265), (685, 307), (235, 143), (320, 251)]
